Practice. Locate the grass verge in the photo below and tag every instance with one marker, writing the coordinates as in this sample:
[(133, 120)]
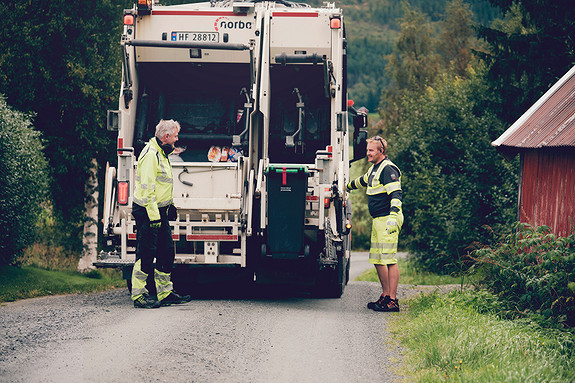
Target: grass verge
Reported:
[(29, 282), (458, 337), (409, 275)]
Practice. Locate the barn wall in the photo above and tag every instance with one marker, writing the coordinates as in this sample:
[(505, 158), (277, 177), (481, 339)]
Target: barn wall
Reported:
[(548, 189)]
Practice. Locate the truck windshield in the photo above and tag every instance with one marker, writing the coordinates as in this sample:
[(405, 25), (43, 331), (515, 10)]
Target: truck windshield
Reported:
[(205, 99)]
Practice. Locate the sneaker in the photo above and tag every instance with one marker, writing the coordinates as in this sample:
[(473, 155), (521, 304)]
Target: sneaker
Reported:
[(146, 302), (175, 299), (382, 301), (391, 306)]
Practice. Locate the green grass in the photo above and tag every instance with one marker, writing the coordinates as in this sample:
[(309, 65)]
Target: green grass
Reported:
[(409, 275), (458, 337), (29, 282)]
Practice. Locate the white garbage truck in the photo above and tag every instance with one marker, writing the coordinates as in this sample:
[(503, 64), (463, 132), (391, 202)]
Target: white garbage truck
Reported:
[(260, 168)]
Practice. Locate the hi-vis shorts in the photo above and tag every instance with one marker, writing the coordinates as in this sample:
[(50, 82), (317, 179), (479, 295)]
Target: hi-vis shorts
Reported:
[(383, 245)]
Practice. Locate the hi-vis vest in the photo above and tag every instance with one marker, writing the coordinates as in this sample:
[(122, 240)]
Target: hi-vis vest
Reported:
[(386, 197), (374, 186), (154, 180)]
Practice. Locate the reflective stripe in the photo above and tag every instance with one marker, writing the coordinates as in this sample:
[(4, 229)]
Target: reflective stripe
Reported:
[(392, 186), (383, 246), (395, 202), (360, 181), (375, 190), (164, 285), (164, 179), (146, 186), (144, 201), (138, 281)]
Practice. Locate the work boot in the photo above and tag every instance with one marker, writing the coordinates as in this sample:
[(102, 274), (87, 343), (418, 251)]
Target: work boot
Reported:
[(175, 299), (145, 301), (381, 302), (391, 306)]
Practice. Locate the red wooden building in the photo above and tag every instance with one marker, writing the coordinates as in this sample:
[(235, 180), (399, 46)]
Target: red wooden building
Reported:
[(544, 137)]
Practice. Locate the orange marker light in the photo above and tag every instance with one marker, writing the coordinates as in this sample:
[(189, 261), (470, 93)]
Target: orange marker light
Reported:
[(335, 23)]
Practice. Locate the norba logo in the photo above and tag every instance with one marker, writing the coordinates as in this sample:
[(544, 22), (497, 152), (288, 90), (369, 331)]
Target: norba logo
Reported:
[(225, 23)]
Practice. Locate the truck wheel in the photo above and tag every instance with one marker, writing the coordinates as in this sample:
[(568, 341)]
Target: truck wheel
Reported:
[(331, 283)]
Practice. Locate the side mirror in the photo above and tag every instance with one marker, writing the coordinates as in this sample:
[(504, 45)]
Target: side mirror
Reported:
[(359, 145), (359, 133)]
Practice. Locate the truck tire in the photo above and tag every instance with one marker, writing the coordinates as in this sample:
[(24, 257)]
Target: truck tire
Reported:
[(331, 282)]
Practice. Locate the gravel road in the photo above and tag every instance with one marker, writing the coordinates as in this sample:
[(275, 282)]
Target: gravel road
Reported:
[(102, 338)]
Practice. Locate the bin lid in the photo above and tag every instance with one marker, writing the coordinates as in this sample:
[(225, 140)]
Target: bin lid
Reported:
[(288, 168)]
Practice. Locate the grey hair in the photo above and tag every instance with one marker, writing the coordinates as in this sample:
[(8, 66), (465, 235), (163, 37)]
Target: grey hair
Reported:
[(166, 127)]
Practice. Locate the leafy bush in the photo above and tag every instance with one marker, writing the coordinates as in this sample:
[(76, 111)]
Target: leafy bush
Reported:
[(454, 182), (24, 181), (532, 272)]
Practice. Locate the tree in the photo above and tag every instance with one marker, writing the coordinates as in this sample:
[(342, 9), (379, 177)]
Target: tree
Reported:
[(455, 40), (24, 180), (60, 60), (529, 58), (455, 184), (413, 66)]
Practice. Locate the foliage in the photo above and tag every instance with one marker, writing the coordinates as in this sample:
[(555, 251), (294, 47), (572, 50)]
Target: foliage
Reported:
[(48, 250), (29, 282), (454, 182), (455, 43), (361, 220), (532, 272), (529, 52), (60, 60), (413, 66), (24, 181), (459, 337)]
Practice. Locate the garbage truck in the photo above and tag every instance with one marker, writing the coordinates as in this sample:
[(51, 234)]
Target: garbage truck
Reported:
[(259, 89)]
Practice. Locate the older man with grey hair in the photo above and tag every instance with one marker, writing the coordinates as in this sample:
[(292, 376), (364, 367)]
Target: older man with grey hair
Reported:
[(153, 200)]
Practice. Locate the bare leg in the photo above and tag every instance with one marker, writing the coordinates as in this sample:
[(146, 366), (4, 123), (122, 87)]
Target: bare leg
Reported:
[(383, 275), (389, 279), (393, 278)]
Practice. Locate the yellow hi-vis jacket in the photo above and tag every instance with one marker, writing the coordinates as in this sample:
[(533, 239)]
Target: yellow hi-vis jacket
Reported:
[(154, 180)]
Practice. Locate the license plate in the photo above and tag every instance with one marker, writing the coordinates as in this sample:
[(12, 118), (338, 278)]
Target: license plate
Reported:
[(201, 37)]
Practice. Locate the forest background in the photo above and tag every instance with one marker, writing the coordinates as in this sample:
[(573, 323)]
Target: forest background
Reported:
[(443, 78)]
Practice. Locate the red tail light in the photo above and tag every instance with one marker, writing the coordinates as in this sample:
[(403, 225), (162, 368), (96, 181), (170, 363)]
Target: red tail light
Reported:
[(326, 200), (123, 193), (128, 19)]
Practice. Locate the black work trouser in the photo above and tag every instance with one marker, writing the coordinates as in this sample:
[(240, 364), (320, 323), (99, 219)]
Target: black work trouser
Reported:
[(153, 244)]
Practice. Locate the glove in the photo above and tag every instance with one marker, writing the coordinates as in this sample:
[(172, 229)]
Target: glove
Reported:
[(392, 226), (155, 225), (172, 213)]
